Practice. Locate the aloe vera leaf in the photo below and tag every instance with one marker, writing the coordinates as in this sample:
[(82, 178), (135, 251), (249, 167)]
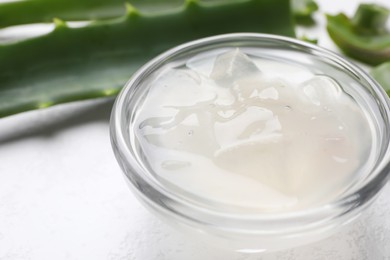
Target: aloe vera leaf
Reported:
[(381, 74), (308, 39), (303, 11), (41, 11), (363, 37), (71, 64)]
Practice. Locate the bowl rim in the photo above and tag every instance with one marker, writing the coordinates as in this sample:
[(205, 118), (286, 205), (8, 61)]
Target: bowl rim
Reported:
[(348, 201)]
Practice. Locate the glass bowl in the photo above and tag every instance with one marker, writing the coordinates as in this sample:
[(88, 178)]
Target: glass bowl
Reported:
[(252, 231)]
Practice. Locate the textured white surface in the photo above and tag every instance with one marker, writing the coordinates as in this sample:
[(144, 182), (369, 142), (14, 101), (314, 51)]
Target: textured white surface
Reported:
[(62, 195)]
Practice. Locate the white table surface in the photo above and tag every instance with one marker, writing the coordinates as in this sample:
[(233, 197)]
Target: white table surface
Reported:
[(62, 195)]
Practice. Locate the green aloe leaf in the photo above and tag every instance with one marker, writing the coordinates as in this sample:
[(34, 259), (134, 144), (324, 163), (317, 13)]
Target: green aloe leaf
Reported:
[(303, 11), (40, 11), (381, 74), (71, 64), (363, 37)]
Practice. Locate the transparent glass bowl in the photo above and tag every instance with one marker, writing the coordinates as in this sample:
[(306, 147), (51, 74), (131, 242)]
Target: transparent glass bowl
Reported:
[(252, 232)]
